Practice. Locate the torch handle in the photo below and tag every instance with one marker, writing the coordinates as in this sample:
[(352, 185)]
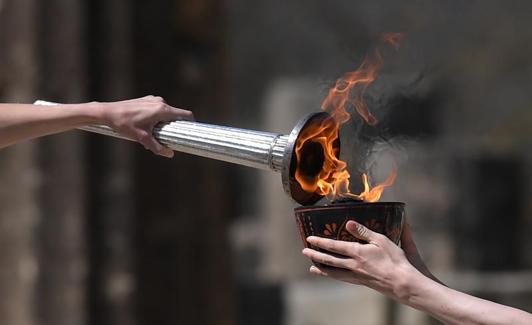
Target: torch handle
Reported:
[(262, 150)]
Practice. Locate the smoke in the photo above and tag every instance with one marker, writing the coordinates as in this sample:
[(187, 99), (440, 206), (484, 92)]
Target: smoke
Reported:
[(406, 106)]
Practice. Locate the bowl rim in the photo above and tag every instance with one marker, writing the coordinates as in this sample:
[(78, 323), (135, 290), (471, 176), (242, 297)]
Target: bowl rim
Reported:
[(343, 205)]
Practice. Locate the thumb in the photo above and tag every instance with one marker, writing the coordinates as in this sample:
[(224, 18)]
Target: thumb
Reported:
[(361, 232), (149, 142)]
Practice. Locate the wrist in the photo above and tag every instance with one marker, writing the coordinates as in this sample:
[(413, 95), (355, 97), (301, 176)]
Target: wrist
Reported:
[(420, 289), (93, 112), (407, 283)]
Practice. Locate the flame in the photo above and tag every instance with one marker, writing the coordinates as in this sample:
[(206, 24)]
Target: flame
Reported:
[(394, 39), (374, 194), (333, 179), (325, 134), (350, 89)]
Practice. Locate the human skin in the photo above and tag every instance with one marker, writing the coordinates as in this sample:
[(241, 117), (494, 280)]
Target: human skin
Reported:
[(401, 275), (134, 119)]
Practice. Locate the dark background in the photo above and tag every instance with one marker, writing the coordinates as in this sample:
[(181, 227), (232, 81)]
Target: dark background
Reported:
[(95, 230)]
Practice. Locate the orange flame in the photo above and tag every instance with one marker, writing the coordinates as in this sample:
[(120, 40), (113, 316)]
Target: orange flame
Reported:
[(394, 39), (374, 194), (333, 179), (325, 135)]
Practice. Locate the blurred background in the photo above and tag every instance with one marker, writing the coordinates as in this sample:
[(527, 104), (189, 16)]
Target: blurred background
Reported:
[(95, 230)]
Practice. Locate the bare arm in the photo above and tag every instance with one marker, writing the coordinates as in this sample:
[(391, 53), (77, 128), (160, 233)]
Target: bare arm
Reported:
[(133, 118), (383, 266), (19, 122), (454, 307)]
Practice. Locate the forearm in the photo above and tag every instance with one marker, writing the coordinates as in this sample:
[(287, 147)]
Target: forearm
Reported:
[(19, 122), (454, 307)]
